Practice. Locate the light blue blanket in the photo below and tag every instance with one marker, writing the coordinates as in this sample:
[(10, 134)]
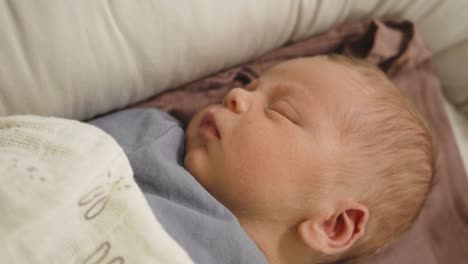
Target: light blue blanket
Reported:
[(154, 143)]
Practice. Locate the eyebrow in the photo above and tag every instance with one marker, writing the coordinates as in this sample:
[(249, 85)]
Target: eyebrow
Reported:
[(279, 89), (284, 88)]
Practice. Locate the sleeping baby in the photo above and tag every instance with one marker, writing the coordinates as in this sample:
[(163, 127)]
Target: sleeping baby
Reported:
[(320, 159)]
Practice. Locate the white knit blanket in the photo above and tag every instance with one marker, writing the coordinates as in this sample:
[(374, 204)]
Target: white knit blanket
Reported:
[(67, 195)]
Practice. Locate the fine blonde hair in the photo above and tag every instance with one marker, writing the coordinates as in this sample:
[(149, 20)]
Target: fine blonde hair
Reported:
[(390, 161)]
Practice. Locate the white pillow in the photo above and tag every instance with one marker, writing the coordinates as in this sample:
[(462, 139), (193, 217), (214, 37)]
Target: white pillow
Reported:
[(459, 126), (77, 59), (452, 66)]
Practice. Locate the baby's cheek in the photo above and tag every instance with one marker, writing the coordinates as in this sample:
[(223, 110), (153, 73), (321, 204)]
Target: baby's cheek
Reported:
[(253, 171), (199, 163), (251, 158), (192, 163)]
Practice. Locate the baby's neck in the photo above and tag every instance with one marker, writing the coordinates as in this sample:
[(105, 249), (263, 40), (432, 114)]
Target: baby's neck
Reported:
[(278, 241)]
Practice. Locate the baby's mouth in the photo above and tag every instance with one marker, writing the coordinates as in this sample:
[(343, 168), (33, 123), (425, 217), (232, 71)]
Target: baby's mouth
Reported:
[(208, 126)]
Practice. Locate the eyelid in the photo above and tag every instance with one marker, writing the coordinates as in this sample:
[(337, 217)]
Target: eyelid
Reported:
[(286, 110)]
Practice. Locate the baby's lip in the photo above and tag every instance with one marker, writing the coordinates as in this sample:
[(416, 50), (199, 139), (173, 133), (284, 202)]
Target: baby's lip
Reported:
[(208, 125)]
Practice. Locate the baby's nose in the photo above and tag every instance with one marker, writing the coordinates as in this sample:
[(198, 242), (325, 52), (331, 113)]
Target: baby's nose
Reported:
[(237, 100)]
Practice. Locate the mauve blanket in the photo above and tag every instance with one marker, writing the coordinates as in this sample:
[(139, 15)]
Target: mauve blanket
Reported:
[(440, 234)]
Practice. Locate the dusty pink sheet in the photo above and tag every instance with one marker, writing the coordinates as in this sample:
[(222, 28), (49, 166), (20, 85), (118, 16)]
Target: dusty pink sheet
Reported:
[(440, 234)]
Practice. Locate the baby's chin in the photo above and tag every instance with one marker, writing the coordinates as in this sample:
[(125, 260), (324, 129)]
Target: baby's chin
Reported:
[(194, 163), (190, 162)]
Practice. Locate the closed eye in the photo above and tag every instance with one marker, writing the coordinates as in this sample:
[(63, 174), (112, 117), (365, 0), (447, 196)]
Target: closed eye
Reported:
[(284, 109)]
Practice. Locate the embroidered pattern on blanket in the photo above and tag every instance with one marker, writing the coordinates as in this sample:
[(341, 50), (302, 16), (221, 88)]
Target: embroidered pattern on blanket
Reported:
[(67, 195)]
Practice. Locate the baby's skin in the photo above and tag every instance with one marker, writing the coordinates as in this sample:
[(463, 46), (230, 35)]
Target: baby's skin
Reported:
[(266, 152)]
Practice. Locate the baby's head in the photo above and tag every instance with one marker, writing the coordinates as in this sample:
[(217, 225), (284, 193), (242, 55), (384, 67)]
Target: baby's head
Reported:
[(320, 159)]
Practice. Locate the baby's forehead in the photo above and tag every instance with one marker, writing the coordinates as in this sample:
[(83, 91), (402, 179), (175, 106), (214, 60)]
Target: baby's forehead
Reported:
[(302, 66), (323, 91), (316, 75)]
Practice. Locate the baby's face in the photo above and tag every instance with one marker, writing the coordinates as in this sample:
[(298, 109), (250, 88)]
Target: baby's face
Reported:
[(261, 151)]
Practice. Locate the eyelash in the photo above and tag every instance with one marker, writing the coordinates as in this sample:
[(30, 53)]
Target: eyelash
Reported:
[(274, 111), (288, 112), (279, 113), (254, 86)]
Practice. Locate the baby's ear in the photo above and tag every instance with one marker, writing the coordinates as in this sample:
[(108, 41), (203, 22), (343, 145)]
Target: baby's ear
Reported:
[(336, 233)]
